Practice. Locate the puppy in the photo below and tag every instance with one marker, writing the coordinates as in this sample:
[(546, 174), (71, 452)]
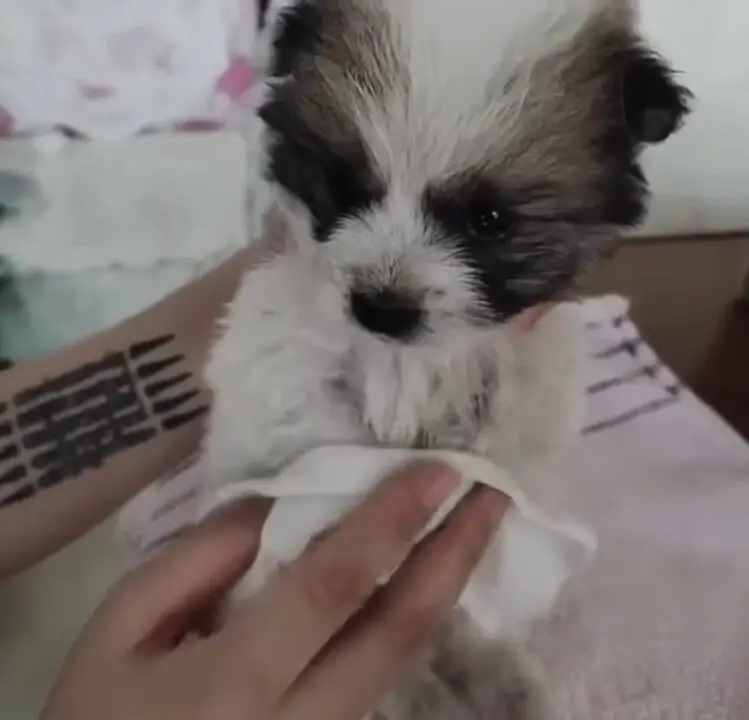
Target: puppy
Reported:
[(440, 167)]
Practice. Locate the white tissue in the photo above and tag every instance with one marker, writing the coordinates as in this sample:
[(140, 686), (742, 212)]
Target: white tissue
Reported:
[(516, 583)]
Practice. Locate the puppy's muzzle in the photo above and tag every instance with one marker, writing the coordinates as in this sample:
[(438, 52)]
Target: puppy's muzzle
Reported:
[(390, 313)]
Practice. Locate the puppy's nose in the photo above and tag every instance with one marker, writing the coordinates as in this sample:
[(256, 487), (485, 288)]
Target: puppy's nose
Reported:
[(386, 312)]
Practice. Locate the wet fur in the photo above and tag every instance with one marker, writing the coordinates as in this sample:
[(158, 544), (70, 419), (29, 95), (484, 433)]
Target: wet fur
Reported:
[(386, 128)]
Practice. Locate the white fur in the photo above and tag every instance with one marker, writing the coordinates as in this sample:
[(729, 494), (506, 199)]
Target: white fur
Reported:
[(287, 346), (445, 120), (293, 371), (288, 343), (277, 373)]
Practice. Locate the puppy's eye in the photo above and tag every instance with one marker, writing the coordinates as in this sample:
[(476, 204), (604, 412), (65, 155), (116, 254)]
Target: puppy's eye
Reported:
[(487, 220), (471, 210)]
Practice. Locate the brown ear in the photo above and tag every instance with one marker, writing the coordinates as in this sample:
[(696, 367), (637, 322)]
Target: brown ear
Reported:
[(655, 105)]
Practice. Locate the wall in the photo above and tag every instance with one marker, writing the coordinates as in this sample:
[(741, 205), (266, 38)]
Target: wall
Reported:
[(681, 293), (701, 177)]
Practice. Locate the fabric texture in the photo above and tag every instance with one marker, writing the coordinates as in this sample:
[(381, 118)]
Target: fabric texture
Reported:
[(657, 627), (515, 584)]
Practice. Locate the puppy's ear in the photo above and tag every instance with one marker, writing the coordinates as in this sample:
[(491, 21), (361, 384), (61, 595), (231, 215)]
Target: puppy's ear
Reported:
[(262, 12), (300, 28), (654, 104)]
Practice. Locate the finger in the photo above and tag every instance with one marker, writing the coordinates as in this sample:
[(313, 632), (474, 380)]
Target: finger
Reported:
[(156, 602), (374, 653), (528, 320), (276, 232), (283, 628)]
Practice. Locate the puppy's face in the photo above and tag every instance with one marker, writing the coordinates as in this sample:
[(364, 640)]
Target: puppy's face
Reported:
[(455, 163)]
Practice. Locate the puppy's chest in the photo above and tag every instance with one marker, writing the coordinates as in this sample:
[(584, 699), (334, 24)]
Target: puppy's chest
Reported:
[(407, 403)]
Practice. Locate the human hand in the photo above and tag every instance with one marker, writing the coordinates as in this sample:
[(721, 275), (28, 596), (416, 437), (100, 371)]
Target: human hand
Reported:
[(321, 641)]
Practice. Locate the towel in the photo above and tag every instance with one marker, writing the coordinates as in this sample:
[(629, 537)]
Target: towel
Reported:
[(515, 584), (657, 628)]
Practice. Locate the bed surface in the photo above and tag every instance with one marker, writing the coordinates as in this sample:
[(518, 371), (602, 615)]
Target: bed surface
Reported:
[(657, 630)]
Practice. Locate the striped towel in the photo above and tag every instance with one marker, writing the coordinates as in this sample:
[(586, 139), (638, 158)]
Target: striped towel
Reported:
[(626, 379), (658, 627)]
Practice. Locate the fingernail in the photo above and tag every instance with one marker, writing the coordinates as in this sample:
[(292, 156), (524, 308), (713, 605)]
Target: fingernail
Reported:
[(246, 510), (494, 503), (437, 482)]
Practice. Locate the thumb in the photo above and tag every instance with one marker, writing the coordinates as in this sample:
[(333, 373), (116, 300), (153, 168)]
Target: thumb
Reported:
[(156, 604)]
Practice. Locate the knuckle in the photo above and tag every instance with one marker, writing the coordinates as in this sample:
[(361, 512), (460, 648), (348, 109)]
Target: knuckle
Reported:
[(410, 630), (335, 587), (120, 599), (477, 532), (241, 683), (229, 703), (468, 551), (410, 515)]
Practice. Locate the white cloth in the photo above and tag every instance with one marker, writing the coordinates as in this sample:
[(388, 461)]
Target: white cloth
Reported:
[(515, 584)]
